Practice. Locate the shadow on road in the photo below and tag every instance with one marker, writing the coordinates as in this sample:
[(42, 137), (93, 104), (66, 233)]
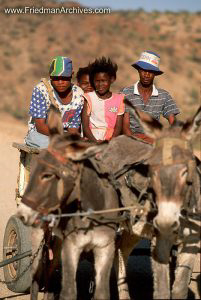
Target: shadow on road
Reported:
[(139, 276), (12, 296), (138, 273)]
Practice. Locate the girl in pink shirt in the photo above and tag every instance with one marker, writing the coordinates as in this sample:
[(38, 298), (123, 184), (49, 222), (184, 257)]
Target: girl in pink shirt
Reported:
[(103, 110)]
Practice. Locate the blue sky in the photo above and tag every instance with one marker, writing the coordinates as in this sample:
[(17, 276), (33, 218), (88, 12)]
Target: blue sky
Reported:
[(148, 5)]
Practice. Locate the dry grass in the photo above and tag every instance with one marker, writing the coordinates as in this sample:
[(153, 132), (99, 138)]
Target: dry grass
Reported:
[(28, 43)]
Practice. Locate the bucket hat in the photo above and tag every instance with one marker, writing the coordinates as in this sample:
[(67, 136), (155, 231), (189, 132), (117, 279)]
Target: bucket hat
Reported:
[(61, 66), (148, 61)]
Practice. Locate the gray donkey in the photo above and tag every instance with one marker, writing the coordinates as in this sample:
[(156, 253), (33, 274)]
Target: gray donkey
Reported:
[(59, 185), (174, 185)]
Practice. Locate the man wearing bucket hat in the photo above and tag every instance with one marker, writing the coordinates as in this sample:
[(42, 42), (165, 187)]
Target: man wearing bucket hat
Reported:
[(59, 91), (146, 97)]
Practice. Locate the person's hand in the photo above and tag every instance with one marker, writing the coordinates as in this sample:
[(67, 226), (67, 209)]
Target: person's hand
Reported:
[(144, 137), (148, 140), (84, 138), (99, 141)]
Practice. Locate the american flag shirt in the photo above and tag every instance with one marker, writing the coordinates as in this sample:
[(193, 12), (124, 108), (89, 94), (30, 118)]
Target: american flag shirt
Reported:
[(40, 103)]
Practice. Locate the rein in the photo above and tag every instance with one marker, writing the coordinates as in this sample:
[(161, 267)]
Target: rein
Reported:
[(132, 214), (135, 212), (57, 155)]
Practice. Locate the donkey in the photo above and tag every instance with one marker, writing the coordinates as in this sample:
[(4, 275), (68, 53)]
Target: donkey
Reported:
[(175, 189), (140, 229), (59, 185)]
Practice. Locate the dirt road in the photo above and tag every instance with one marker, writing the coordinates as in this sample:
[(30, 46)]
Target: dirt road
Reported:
[(10, 131)]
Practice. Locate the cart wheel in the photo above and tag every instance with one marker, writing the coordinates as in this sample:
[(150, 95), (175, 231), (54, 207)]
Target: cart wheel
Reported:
[(17, 240)]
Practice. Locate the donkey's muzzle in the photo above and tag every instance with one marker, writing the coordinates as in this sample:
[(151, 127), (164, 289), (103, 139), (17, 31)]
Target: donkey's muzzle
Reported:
[(166, 227)]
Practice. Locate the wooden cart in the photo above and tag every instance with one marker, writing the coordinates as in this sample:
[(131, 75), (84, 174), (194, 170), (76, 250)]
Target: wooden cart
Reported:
[(17, 236)]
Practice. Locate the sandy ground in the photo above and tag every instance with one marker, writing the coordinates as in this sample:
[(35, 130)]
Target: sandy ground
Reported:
[(14, 131)]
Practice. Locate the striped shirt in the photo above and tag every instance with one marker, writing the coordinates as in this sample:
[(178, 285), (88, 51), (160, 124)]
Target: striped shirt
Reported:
[(160, 103)]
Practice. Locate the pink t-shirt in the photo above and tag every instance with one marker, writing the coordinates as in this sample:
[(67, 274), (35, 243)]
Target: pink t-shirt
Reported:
[(103, 114)]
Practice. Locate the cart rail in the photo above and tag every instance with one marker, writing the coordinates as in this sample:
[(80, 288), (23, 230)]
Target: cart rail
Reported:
[(24, 147)]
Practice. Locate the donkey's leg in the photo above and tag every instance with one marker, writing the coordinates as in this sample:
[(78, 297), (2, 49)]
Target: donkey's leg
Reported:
[(125, 247), (70, 257), (36, 268), (161, 277), (127, 243), (53, 267), (184, 268), (103, 258)]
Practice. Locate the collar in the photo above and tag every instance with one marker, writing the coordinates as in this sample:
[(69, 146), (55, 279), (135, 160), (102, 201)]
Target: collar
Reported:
[(154, 91), (56, 95)]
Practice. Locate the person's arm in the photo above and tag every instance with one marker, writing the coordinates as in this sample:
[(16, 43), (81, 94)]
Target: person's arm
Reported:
[(127, 131), (72, 118), (73, 131), (85, 123), (118, 126), (119, 121), (144, 137), (38, 111), (171, 119), (170, 109), (41, 126), (126, 124)]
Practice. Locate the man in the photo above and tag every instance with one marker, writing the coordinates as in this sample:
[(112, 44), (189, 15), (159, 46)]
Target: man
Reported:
[(146, 97), (59, 90)]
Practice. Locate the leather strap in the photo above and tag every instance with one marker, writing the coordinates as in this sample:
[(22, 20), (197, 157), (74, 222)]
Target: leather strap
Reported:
[(50, 92)]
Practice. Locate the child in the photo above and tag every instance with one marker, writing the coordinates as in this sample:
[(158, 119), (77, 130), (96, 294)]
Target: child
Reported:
[(103, 110), (83, 80), (59, 90)]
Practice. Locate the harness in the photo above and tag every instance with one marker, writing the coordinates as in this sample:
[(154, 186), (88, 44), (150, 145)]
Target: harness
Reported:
[(167, 144), (50, 92), (192, 184), (66, 167)]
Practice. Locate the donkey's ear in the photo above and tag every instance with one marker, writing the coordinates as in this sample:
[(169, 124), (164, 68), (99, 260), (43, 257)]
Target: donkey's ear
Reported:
[(54, 121), (192, 127), (151, 126)]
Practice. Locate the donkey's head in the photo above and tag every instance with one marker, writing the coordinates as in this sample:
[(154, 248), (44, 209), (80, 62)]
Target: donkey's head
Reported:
[(172, 169), (53, 175)]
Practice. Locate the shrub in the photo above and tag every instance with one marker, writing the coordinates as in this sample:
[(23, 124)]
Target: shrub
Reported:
[(195, 58), (8, 66), (174, 67), (190, 74), (194, 95), (198, 40), (51, 39), (156, 27), (169, 51), (163, 37)]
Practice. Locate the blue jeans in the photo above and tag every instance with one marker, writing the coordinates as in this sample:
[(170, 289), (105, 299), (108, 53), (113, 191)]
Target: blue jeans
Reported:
[(36, 139)]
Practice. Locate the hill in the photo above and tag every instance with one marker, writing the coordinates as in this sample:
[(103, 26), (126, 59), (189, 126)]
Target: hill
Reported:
[(29, 41)]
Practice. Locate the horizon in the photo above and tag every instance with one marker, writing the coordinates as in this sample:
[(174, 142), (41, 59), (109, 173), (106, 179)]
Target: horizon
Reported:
[(154, 5)]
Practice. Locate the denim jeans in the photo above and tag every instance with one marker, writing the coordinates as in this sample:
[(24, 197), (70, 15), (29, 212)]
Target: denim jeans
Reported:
[(36, 139)]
